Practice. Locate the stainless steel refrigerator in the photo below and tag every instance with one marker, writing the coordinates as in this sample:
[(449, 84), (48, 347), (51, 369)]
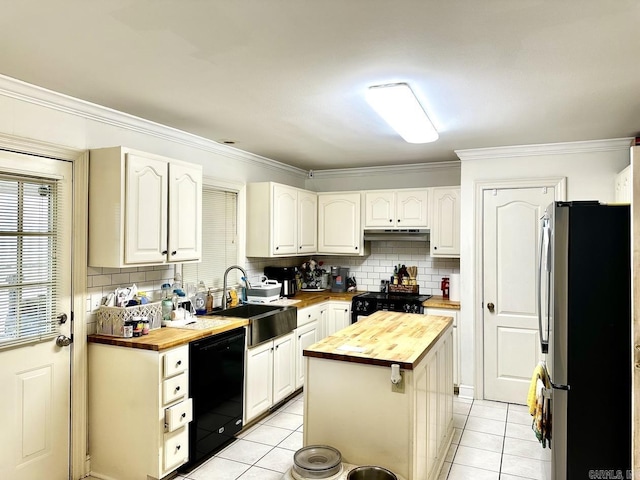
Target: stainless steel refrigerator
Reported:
[(585, 327)]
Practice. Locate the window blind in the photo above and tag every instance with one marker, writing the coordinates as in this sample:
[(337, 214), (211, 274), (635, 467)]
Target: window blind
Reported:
[(219, 240), (29, 276)]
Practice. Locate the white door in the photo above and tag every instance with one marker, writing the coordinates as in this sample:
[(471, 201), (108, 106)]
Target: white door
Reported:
[(35, 286), (511, 236)]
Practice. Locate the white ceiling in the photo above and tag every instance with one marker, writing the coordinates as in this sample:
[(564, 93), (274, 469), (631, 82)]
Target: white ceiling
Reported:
[(285, 79)]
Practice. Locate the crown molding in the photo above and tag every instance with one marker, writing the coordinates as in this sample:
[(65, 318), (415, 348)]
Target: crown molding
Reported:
[(19, 90), (384, 170), (545, 149)]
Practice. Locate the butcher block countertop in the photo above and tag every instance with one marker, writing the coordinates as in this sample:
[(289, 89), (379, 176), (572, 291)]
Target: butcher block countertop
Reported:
[(383, 338), (308, 299), (169, 337), (437, 301)]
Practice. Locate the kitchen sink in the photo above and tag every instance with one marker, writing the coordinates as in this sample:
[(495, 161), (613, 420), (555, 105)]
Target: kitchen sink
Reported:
[(265, 321), (247, 311)]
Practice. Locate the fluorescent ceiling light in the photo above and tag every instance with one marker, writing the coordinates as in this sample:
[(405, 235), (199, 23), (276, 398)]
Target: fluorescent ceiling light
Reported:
[(397, 104)]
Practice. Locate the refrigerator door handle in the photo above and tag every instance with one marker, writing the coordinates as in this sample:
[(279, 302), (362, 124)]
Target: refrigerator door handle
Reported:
[(545, 257)]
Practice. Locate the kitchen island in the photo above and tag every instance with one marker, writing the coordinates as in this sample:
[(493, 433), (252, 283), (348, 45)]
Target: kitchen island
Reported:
[(352, 405)]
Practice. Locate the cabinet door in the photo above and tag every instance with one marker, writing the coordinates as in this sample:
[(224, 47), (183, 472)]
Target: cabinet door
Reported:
[(445, 225), (283, 367), (623, 186), (379, 209), (146, 197), (185, 212), (259, 378), (306, 335), (412, 208), (307, 222), (339, 226), (285, 220), (339, 316)]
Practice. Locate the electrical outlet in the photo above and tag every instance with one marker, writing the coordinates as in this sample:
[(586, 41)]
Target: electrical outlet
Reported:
[(398, 387)]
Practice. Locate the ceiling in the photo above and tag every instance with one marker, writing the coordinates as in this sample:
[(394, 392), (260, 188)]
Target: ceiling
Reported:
[(285, 79)]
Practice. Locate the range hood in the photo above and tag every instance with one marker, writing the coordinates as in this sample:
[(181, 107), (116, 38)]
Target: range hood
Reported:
[(402, 235)]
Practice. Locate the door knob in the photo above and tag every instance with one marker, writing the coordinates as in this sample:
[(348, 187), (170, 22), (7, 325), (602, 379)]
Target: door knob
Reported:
[(491, 307), (63, 341)]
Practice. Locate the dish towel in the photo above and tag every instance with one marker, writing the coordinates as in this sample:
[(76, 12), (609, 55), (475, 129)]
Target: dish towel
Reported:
[(540, 405)]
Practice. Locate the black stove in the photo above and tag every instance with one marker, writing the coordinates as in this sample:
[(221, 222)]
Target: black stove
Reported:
[(370, 302)]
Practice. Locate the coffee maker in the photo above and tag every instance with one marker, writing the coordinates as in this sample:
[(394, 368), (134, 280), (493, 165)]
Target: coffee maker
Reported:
[(286, 276), (339, 276)]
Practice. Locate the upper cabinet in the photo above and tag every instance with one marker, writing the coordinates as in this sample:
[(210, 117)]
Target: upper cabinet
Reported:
[(623, 185), (281, 220), (144, 209), (339, 223), (445, 222), (396, 209)]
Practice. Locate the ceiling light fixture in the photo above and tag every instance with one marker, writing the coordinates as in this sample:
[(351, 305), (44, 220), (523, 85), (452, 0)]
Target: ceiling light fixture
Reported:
[(400, 108)]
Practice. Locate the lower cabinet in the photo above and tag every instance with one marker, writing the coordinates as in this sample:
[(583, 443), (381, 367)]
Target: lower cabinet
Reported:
[(339, 317), (270, 375), (307, 333), (445, 312), (139, 411)]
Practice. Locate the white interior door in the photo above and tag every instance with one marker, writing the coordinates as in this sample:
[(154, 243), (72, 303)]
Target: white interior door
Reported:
[(511, 235), (35, 286)]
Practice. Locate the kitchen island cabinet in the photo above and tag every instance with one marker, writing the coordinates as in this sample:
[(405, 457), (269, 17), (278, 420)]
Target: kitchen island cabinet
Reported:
[(351, 405), (144, 209)]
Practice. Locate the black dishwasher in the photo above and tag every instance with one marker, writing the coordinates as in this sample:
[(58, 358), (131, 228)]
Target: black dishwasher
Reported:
[(216, 385)]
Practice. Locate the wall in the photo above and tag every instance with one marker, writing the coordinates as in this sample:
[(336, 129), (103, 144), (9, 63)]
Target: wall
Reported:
[(590, 169), (440, 174), (378, 265)]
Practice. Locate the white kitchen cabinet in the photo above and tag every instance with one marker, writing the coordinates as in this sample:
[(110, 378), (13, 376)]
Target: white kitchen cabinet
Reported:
[(144, 209), (446, 312), (281, 220), (270, 375), (445, 222), (339, 316), (308, 332), (139, 410), (623, 186), (396, 209), (412, 430), (339, 223)]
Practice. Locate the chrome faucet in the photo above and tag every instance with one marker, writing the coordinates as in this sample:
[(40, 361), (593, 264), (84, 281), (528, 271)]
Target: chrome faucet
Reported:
[(224, 283)]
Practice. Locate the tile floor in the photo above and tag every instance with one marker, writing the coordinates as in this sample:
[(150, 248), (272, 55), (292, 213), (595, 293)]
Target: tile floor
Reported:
[(492, 441)]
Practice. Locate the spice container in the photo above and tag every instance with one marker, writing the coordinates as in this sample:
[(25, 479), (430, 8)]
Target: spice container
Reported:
[(137, 326), (127, 329), (145, 326)]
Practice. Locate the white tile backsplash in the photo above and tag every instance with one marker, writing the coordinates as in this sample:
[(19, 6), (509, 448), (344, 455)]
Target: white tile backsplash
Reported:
[(378, 265), (102, 281)]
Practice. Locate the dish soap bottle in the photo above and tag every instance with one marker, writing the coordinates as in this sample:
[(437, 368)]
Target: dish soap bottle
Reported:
[(167, 302)]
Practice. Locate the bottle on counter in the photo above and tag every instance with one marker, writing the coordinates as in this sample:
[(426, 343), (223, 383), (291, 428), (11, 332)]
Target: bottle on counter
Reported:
[(167, 302)]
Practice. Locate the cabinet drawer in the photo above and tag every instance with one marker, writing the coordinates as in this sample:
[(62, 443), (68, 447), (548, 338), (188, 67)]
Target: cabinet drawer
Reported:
[(178, 416), (174, 388), (176, 448), (176, 361)]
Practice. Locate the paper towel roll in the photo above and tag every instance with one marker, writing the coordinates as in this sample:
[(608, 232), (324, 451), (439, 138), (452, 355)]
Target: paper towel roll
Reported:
[(454, 287)]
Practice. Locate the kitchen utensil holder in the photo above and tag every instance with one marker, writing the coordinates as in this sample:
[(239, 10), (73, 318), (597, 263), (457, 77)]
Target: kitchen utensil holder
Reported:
[(111, 320)]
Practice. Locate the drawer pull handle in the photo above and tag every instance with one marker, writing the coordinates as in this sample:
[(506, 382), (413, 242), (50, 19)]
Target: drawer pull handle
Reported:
[(184, 415), (178, 388), (179, 362), (177, 447), (174, 252)]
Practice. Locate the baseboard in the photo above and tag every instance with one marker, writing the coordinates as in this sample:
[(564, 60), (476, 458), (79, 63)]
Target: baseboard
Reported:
[(466, 391)]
